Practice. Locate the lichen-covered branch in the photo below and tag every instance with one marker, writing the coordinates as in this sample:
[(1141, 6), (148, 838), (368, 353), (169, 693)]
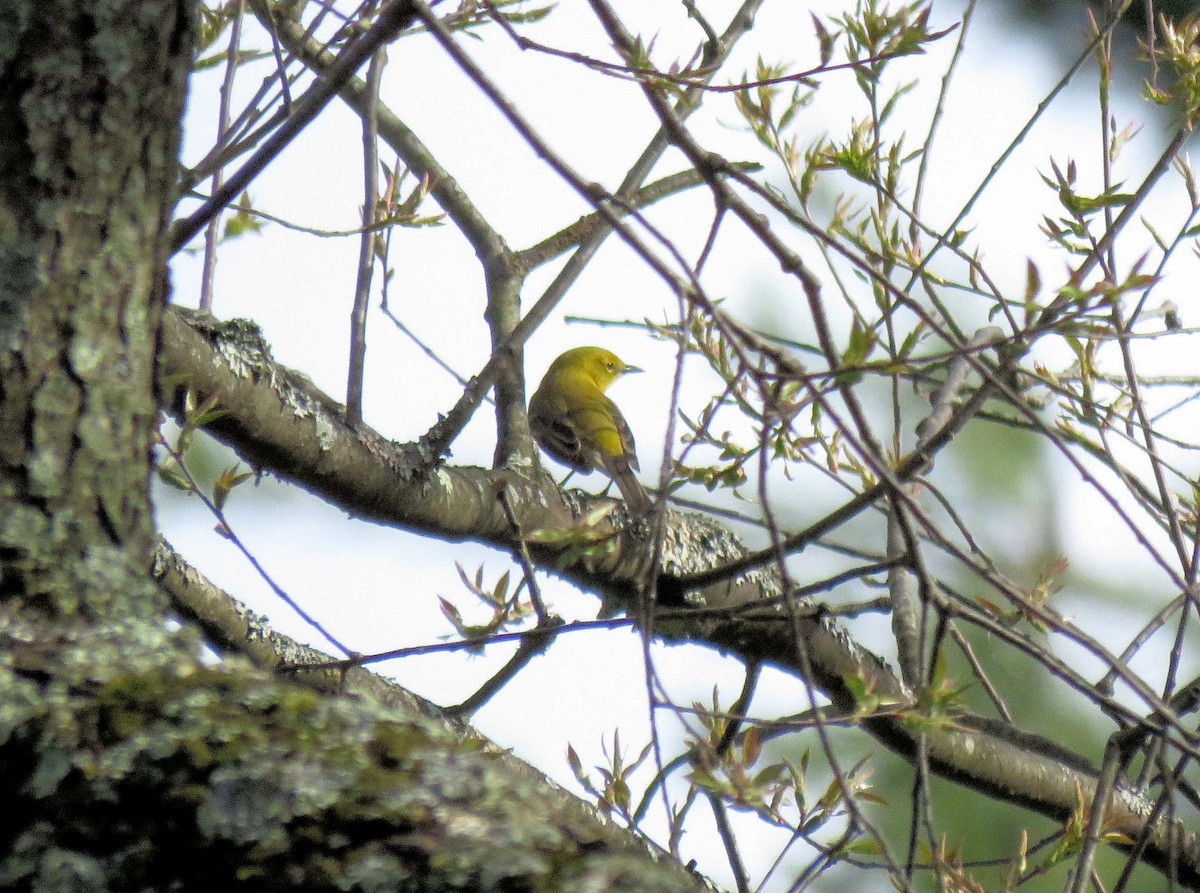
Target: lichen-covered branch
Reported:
[(743, 615)]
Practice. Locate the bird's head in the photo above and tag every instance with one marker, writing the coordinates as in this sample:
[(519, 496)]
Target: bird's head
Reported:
[(602, 366)]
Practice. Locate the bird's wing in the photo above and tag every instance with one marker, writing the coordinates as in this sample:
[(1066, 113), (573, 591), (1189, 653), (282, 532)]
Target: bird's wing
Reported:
[(558, 437), (610, 436), (628, 447)]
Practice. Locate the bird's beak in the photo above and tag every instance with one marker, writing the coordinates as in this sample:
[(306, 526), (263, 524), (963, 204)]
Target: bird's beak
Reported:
[(629, 369)]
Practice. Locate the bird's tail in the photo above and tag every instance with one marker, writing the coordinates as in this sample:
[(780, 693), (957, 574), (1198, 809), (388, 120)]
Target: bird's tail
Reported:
[(636, 498)]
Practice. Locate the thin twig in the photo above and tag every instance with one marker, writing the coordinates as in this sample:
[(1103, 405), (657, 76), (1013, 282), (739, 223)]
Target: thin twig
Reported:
[(394, 18), (366, 245), (212, 233)]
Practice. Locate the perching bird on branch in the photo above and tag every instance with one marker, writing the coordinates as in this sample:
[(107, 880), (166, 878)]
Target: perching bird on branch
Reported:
[(575, 423)]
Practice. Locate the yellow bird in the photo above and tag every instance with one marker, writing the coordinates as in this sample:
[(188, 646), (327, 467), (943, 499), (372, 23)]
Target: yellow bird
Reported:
[(572, 420)]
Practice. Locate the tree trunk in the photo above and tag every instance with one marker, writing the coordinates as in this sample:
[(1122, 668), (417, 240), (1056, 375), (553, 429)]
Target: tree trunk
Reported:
[(91, 99)]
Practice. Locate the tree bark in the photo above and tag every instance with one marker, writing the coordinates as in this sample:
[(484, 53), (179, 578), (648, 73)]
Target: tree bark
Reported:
[(91, 99)]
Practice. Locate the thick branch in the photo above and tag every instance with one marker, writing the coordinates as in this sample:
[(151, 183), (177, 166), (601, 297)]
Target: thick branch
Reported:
[(743, 615)]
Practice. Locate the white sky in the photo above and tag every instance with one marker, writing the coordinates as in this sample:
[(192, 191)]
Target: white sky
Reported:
[(377, 588)]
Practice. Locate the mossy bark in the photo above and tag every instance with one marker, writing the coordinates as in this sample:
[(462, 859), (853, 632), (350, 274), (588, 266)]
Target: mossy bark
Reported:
[(91, 99)]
